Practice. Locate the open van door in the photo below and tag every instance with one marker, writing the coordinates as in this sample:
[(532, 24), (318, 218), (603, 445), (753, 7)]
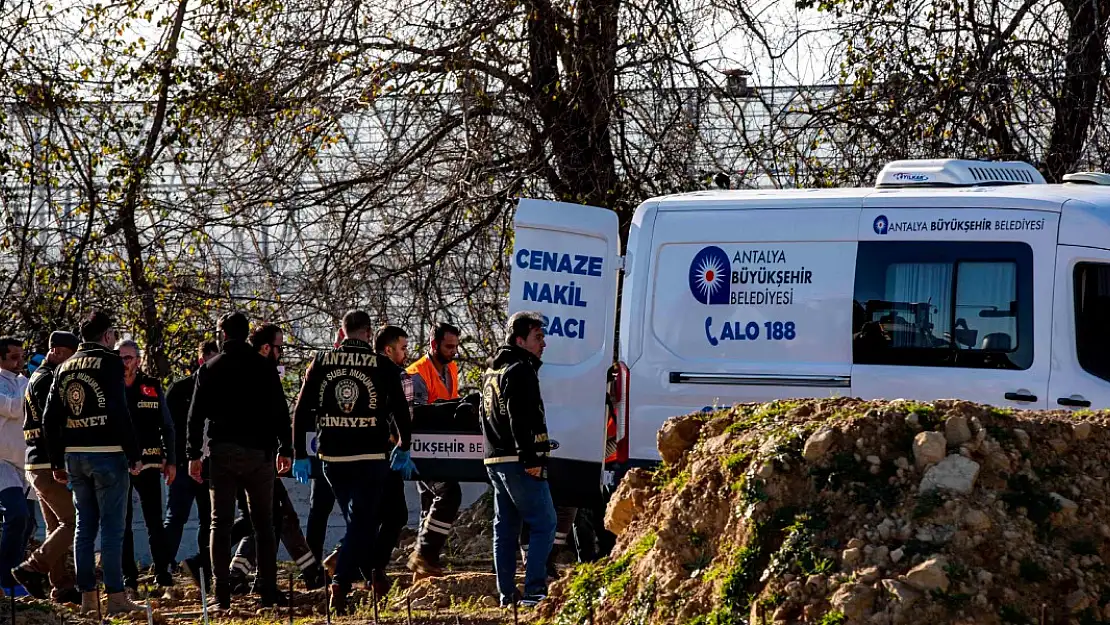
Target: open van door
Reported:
[(565, 261)]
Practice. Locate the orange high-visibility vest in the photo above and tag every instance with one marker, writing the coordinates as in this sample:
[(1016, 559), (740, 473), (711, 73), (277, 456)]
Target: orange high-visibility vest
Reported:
[(436, 390)]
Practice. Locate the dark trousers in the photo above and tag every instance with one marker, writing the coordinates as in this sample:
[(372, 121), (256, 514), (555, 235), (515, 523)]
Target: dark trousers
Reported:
[(183, 492), (148, 484), (323, 502), (233, 467), (358, 490), (394, 518), (439, 505), (287, 527), (564, 526)]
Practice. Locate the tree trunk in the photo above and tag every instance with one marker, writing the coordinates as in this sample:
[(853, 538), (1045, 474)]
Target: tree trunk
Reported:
[(576, 104), (1083, 73), (153, 325)]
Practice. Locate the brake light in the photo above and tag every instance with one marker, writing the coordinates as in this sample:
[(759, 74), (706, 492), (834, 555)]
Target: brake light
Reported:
[(617, 426)]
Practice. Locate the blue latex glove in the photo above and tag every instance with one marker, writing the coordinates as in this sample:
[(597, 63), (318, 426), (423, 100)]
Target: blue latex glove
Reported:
[(302, 470), (400, 460)]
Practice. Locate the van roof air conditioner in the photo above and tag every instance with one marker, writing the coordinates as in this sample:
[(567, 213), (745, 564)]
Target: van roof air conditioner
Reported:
[(951, 172), (1088, 177)]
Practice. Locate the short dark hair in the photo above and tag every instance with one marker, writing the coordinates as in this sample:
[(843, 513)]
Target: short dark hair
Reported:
[(388, 335), (208, 347), (355, 321), (264, 334), (235, 326), (95, 325), (521, 324), (7, 343), (443, 329)]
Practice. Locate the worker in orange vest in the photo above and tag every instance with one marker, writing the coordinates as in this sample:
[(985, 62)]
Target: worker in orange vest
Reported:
[(435, 377)]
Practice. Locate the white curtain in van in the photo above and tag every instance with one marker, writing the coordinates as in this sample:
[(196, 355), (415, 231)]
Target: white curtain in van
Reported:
[(988, 288), (916, 283), (983, 296)]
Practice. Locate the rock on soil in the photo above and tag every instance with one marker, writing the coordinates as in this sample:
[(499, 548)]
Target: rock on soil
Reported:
[(954, 473), (676, 437), (846, 511), (928, 448)]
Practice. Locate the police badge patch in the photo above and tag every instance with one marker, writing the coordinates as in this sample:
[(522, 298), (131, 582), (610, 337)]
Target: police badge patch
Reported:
[(346, 393), (488, 397), (75, 397)]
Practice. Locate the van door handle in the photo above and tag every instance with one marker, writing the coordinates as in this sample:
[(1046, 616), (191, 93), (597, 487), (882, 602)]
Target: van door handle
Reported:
[(1078, 403), (1021, 397)]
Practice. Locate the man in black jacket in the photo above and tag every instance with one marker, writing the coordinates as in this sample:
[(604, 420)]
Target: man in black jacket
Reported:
[(351, 397), (517, 446), (287, 527), (154, 427), (184, 491), (239, 397), (49, 560), (92, 445)]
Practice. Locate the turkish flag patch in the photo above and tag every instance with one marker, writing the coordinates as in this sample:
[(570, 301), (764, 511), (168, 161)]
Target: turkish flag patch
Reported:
[(149, 391)]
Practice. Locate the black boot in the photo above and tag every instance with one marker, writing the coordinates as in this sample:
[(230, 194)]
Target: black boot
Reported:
[(223, 596), (271, 597), (69, 595), (238, 583), (33, 581), (313, 577)]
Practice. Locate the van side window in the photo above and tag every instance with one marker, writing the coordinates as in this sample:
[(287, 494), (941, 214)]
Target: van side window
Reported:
[(1092, 318), (944, 304)]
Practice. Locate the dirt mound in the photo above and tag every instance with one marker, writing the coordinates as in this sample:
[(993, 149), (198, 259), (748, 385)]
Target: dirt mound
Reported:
[(471, 538), (844, 511), (479, 589)]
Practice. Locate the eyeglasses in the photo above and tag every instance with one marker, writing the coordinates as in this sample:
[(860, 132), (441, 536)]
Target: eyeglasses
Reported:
[(128, 358)]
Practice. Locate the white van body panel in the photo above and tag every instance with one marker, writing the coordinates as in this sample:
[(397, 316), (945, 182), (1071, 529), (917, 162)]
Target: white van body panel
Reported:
[(1085, 221), (564, 264), (702, 347), (637, 277)]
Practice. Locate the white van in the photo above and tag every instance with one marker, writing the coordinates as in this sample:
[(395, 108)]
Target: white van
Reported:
[(949, 279)]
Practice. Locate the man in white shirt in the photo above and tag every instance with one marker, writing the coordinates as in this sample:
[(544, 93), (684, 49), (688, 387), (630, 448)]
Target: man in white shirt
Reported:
[(13, 532)]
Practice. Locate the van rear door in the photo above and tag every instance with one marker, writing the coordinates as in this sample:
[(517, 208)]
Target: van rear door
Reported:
[(565, 262)]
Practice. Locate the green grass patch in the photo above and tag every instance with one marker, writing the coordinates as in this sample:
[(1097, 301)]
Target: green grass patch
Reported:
[(597, 582), (799, 547), (738, 461), (667, 476), (751, 417), (927, 416)]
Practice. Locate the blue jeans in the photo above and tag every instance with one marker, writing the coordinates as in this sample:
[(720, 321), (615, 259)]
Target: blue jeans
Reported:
[(183, 492), (100, 484), (14, 532), (520, 498), (358, 490)]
